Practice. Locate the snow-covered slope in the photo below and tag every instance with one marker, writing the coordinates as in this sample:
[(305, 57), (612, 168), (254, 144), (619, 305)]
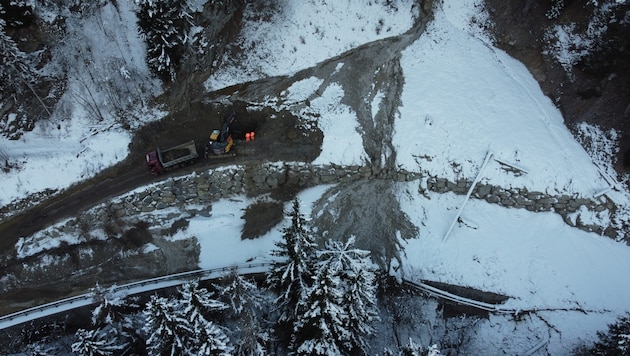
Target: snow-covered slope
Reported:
[(299, 34), (103, 56), (464, 97), (461, 98), (534, 258)]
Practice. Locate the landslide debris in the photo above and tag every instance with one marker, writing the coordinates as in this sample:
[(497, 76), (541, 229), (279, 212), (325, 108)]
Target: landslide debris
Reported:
[(368, 210)]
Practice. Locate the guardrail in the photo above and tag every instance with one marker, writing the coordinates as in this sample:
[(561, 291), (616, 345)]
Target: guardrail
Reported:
[(172, 280), (124, 290), (493, 308)]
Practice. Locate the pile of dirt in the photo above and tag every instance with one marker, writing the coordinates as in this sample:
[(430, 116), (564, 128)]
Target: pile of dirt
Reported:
[(261, 217)]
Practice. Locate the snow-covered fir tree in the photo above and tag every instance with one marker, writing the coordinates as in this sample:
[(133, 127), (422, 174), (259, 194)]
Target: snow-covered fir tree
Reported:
[(180, 326), (336, 312), (291, 274), (616, 341), (246, 301), (168, 331), (320, 327), (117, 319), (15, 67), (240, 293), (359, 284), (17, 13), (165, 25), (254, 337), (198, 300), (96, 343), (207, 338)]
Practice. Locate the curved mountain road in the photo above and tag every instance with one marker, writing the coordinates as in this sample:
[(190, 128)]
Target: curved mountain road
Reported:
[(113, 181)]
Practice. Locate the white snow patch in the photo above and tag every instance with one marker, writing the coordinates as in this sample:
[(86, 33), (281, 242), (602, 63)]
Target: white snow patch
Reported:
[(301, 90), (44, 240), (462, 98), (299, 34), (219, 235), (342, 141), (376, 103)]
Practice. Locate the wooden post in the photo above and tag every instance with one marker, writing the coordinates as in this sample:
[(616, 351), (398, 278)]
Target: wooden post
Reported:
[(472, 186)]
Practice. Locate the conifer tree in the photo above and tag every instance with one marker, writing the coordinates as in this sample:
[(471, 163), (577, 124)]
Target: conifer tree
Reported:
[(245, 300), (168, 332), (616, 341), (15, 67), (113, 320), (291, 274), (337, 310), (359, 294), (165, 25), (181, 326), (206, 338), (95, 343), (320, 328), (253, 338), (239, 293)]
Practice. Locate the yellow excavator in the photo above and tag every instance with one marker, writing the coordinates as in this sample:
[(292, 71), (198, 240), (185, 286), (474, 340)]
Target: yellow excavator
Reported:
[(221, 141)]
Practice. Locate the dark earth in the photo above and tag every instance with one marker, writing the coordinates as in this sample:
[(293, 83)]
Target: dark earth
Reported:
[(599, 94)]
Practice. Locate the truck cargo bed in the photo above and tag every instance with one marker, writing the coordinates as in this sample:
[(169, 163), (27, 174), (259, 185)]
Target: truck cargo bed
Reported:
[(178, 154)]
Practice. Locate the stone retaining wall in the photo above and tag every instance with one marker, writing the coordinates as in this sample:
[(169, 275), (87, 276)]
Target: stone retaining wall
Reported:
[(257, 179)]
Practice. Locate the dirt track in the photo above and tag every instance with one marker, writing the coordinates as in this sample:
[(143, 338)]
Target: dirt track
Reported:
[(270, 144)]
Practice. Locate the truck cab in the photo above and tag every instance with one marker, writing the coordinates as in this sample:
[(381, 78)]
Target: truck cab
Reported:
[(153, 162)]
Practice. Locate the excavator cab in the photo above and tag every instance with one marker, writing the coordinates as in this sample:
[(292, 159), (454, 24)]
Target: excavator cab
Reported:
[(221, 141)]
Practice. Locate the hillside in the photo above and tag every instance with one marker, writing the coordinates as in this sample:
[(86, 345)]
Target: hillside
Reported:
[(402, 124)]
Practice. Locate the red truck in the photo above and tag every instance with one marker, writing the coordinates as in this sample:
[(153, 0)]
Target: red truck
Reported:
[(160, 160)]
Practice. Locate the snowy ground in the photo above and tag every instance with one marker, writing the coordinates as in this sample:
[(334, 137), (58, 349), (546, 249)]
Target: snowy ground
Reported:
[(102, 54), (342, 143), (462, 97), (298, 35), (52, 159)]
